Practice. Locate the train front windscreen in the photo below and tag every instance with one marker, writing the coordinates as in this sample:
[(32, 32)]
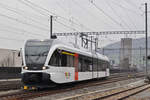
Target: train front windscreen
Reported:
[(36, 53)]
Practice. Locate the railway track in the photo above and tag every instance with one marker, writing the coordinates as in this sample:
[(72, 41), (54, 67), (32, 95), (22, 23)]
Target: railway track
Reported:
[(16, 84), (125, 93), (24, 95)]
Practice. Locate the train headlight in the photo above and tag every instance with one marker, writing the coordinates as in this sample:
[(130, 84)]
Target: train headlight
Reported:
[(25, 67), (44, 67)]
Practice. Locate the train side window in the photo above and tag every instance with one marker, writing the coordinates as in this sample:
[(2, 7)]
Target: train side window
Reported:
[(82, 67), (104, 66), (63, 60), (70, 61), (99, 65), (55, 59), (89, 64), (86, 64), (60, 59), (94, 64), (80, 64), (107, 64)]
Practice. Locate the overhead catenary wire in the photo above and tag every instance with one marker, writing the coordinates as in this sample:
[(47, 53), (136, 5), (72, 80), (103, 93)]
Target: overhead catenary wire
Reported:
[(62, 8), (106, 14), (66, 26), (35, 9), (57, 14), (12, 39), (133, 23), (20, 12), (69, 20), (10, 31), (20, 21), (41, 13), (118, 15), (134, 5), (49, 12), (83, 8), (16, 12), (7, 8), (89, 13), (45, 14), (22, 30), (123, 7)]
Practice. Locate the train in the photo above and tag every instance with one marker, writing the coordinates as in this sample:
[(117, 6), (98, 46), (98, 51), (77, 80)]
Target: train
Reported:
[(50, 62)]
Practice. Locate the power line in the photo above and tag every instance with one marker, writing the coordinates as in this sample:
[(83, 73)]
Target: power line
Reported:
[(4, 30), (66, 25), (40, 8), (12, 10), (53, 13), (62, 8), (101, 10), (117, 14), (17, 20), (19, 13), (134, 5), (6, 38), (126, 13), (18, 10), (70, 21), (121, 6), (32, 8), (24, 31), (92, 15)]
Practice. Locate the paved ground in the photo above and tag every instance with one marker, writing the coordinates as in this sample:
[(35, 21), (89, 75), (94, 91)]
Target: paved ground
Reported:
[(145, 95)]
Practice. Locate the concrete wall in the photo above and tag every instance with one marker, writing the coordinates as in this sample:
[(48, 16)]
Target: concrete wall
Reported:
[(126, 52), (9, 58)]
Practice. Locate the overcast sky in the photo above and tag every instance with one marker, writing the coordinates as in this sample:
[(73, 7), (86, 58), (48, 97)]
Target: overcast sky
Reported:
[(29, 19)]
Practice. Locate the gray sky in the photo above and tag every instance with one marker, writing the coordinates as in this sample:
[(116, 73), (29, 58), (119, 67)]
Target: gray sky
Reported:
[(28, 19)]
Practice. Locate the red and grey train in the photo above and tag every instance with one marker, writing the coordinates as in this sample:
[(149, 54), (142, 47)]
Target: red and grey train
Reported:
[(51, 62)]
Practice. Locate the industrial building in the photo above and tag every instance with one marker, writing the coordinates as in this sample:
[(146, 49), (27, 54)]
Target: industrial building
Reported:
[(10, 58)]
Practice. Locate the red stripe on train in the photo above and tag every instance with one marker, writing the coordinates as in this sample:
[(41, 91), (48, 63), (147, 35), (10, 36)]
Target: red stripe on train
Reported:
[(76, 66), (76, 75)]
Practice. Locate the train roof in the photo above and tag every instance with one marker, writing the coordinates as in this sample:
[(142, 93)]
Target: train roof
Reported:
[(71, 47)]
